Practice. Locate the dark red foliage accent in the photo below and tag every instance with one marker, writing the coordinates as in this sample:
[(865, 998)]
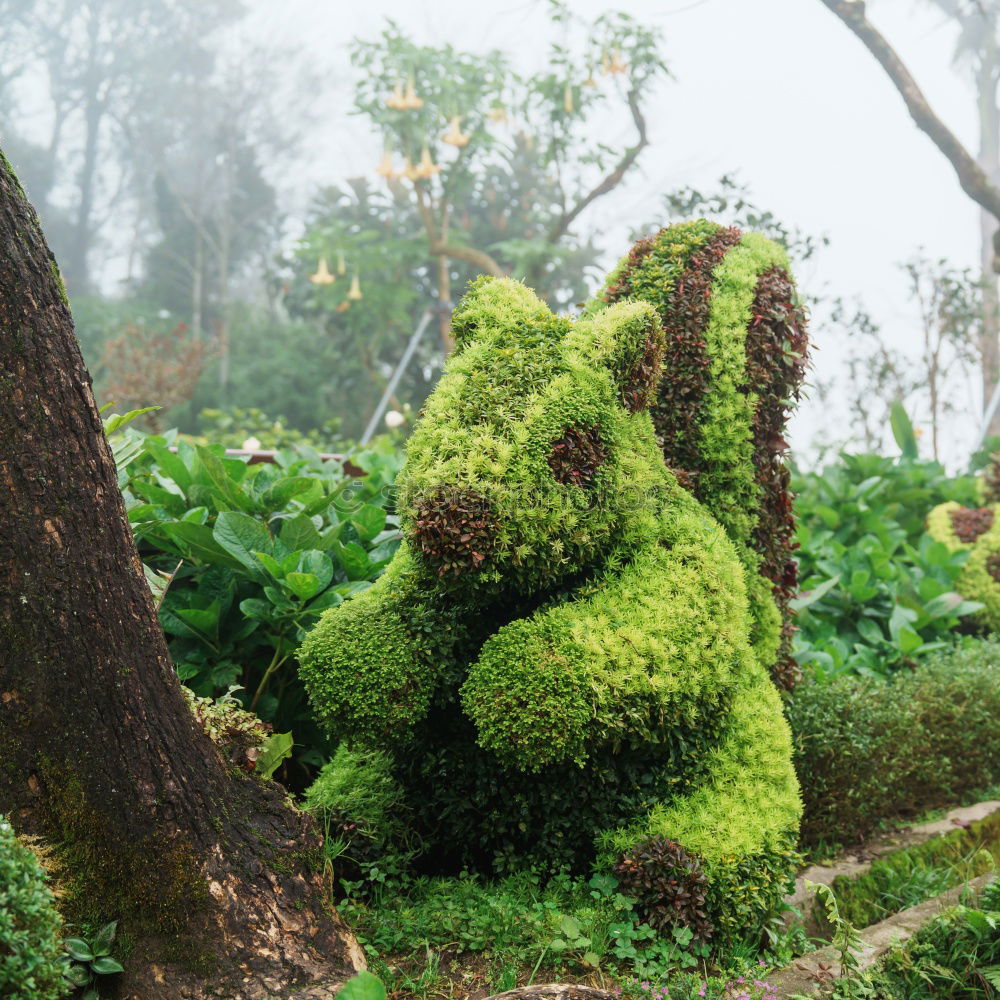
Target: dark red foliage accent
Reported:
[(638, 388), (684, 380), (577, 455), (993, 566), (455, 531), (969, 523), (775, 365), (622, 288), (677, 412), (669, 885)]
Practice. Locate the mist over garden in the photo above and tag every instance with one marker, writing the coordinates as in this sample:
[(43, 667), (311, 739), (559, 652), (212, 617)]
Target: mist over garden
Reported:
[(462, 538)]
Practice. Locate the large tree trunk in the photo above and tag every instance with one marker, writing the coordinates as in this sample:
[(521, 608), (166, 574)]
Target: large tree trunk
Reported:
[(213, 875)]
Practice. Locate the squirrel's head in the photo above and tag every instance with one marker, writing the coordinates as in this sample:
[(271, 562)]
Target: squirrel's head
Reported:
[(534, 456)]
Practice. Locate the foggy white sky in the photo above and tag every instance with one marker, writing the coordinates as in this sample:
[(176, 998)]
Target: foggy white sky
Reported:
[(775, 90)]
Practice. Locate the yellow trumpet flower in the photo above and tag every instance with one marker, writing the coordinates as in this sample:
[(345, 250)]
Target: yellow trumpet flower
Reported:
[(427, 168), (411, 102), (343, 307), (354, 293), (341, 266), (568, 100), (397, 102), (322, 275), (409, 171), (616, 65), (498, 114), (385, 168), (455, 135)]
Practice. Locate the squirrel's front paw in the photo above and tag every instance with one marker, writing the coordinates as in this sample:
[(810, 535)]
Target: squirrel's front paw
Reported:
[(364, 678), (528, 695)]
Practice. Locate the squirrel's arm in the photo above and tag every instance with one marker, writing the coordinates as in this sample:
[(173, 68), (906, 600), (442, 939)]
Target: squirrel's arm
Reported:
[(364, 667), (648, 644)]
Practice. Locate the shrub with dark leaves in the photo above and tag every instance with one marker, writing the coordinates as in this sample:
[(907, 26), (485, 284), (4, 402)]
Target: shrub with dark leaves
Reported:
[(969, 523), (455, 531), (669, 885), (577, 456)]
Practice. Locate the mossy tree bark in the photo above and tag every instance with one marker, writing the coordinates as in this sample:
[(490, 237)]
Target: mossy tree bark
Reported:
[(211, 872)]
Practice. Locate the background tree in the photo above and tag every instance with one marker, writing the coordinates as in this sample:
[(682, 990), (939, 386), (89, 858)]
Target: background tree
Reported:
[(95, 71), (216, 209), (933, 382), (448, 119), (978, 175), (377, 233), (212, 874)]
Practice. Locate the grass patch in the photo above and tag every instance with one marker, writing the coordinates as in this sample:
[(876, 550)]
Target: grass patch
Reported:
[(913, 875), (955, 957)]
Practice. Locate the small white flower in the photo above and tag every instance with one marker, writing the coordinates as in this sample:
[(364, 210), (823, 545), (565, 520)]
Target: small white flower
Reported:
[(251, 444), (394, 419)]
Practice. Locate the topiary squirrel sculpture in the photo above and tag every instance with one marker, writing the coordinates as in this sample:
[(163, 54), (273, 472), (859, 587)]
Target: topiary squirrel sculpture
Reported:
[(568, 658), (975, 530)]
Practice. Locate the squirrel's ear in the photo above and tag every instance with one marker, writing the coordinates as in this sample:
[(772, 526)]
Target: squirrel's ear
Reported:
[(494, 306), (627, 340)]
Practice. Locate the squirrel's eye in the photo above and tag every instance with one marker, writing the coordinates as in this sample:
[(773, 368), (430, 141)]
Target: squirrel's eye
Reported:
[(577, 455)]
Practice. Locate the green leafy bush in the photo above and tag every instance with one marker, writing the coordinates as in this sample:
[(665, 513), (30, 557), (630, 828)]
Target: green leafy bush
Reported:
[(879, 593), (32, 966), (868, 749), (250, 556)]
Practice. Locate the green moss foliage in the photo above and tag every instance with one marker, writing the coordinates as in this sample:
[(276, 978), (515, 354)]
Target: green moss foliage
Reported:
[(31, 963), (569, 654), (735, 357), (976, 531), (868, 750)]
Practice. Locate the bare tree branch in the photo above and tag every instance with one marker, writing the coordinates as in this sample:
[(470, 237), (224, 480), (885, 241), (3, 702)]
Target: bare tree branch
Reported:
[(973, 179), (441, 248), (613, 179)]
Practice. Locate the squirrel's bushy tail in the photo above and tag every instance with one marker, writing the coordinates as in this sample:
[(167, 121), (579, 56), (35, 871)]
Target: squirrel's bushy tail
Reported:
[(735, 359)]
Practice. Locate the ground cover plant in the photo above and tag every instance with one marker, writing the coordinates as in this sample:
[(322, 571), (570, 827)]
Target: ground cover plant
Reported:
[(905, 878), (435, 936), (562, 660)]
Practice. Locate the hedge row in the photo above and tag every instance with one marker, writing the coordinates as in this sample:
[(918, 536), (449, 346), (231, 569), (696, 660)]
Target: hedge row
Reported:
[(867, 750)]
